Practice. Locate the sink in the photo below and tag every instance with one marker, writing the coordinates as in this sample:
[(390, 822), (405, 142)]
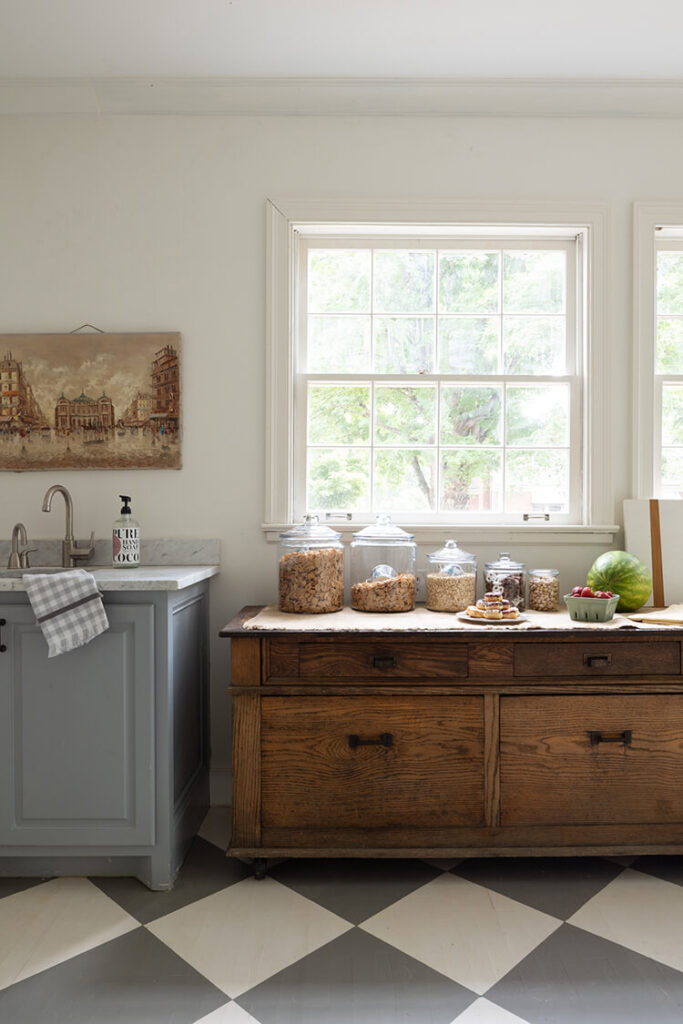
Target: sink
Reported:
[(18, 573)]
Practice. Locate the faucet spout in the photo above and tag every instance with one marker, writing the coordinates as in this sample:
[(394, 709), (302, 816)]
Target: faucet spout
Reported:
[(70, 550), (47, 507)]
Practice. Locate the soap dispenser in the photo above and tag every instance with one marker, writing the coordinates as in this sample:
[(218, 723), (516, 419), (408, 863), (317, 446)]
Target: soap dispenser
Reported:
[(125, 538)]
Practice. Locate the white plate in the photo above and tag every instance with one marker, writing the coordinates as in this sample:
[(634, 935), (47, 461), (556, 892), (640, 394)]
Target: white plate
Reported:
[(464, 617)]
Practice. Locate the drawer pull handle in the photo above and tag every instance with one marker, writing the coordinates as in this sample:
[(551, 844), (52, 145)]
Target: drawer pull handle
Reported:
[(624, 737), (384, 660), (3, 647), (385, 740), (597, 660)]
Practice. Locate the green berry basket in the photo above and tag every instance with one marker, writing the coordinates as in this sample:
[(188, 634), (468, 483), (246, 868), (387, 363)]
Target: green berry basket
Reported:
[(591, 609)]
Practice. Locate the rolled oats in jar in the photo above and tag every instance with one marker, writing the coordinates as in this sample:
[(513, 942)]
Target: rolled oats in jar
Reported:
[(451, 579), (544, 590)]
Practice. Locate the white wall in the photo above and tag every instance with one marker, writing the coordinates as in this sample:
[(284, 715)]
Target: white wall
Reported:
[(157, 223)]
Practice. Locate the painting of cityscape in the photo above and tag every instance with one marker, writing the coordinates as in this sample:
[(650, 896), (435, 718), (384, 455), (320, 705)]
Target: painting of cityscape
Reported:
[(89, 401)]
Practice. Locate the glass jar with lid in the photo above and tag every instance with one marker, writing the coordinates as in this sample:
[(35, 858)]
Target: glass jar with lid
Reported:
[(310, 569), (451, 579), (506, 578), (544, 590), (383, 568)]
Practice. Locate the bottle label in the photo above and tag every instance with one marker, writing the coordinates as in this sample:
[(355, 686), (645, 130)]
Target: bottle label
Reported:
[(126, 545)]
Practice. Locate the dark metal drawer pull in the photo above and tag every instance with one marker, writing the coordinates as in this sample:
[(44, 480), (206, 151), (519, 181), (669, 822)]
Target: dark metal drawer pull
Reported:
[(386, 740), (597, 660), (624, 737), (384, 660), (3, 647)]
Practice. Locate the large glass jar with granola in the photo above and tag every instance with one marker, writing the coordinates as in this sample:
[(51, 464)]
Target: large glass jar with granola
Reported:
[(310, 569), (383, 568)]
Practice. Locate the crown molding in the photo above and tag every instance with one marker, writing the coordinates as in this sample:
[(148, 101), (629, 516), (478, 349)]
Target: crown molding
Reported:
[(375, 97)]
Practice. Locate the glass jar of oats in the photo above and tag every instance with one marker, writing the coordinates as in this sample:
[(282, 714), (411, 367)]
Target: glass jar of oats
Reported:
[(310, 569), (544, 590), (383, 568), (451, 579)]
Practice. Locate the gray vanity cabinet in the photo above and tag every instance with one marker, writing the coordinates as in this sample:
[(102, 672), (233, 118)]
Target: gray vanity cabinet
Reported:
[(104, 750), (78, 733)]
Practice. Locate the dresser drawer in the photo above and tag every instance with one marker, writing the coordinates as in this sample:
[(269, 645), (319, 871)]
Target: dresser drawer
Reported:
[(571, 760), (598, 658), (372, 762), (348, 658)]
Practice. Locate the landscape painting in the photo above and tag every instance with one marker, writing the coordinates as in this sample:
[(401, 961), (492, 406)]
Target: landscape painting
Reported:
[(89, 401)]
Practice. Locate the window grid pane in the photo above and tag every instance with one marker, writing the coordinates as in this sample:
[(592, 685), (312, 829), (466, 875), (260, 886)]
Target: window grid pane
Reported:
[(438, 447), (669, 371)]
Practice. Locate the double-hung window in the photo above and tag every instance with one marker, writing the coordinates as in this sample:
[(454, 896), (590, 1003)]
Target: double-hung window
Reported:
[(440, 372), (668, 460), (438, 378), (658, 366)]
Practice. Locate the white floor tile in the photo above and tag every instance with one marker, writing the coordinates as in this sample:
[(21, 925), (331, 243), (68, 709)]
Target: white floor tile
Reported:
[(641, 912), (52, 922), (483, 1012), (242, 935), (216, 826), (231, 1013), (467, 932)]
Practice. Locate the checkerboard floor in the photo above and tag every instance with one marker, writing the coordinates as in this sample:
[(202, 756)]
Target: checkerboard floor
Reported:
[(533, 941)]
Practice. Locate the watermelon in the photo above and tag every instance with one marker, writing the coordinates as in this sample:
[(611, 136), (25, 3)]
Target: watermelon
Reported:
[(623, 574)]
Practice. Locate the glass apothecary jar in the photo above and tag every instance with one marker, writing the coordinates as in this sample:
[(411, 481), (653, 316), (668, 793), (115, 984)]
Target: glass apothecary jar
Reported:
[(544, 590), (383, 568), (507, 578), (310, 569), (451, 579)]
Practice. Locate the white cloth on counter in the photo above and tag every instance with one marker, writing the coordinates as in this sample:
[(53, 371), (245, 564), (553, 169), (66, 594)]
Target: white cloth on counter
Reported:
[(68, 608)]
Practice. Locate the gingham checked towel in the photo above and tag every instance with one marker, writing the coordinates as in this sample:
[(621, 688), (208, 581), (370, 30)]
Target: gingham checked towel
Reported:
[(68, 608)]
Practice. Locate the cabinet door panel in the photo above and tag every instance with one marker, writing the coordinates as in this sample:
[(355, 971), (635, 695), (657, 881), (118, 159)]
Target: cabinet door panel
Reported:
[(428, 773), (79, 735), (612, 759)]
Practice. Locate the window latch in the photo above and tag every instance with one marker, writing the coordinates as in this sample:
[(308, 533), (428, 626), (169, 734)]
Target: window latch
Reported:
[(536, 515), (348, 516)]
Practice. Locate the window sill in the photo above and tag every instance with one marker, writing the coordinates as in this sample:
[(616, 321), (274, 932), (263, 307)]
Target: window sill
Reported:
[(480, 533)]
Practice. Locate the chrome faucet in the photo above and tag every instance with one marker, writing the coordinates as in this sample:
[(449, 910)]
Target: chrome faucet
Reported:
[(70, 549), (19, 559)]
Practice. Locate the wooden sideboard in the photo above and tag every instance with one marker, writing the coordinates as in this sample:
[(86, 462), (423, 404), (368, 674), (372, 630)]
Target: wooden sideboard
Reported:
[(467, 743)]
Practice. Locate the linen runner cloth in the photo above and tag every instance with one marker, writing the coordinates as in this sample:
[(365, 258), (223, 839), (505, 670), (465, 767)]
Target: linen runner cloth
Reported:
[(68, 608), (420, 618)]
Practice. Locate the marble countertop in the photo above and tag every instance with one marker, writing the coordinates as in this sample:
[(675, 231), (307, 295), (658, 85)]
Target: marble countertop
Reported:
[(151, 577)]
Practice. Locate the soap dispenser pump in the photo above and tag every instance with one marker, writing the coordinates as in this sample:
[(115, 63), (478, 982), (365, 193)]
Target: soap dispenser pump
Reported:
[(125, 538)]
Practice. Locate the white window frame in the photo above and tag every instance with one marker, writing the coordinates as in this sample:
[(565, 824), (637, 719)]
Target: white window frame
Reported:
[(650, 221), (287, 218)]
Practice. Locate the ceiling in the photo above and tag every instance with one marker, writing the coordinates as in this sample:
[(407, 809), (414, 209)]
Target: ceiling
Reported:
[(256, 42)]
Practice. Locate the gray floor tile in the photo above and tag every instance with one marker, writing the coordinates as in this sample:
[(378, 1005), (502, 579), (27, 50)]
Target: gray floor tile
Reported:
[(354, 889), (206, 870), (134, 979), (357, 979), (8, 886), (555, 885), (668, 868), (575, 977)]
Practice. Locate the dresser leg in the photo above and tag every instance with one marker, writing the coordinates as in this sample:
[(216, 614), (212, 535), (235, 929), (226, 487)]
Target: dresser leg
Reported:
[(259, 865)]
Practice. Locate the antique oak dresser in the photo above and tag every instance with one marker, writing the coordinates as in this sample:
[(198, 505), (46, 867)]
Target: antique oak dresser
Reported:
[(452, 744)]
